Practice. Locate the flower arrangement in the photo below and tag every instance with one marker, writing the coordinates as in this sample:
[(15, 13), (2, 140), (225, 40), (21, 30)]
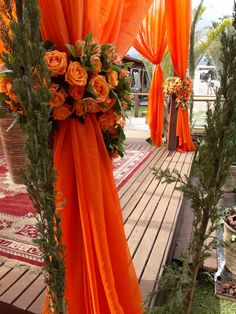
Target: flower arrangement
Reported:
[(92, 79), (181, 88)]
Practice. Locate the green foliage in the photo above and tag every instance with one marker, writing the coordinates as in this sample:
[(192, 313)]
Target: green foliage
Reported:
[(216, 154), (30, 84), (210, 45), (202, 47), (173, 285), (167, 65), (148, 67)]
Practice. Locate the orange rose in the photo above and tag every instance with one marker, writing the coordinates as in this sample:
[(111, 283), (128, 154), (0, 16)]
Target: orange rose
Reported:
[(112, 78), (56, 62), (109, 103), (76, 74), (76, 92), (10, 93), (107, 120), (79, 107), (58, 95), (3, 84), (92, 105), (121, 122), (123, 73), (61, 112), (100, 87), (97, 63)]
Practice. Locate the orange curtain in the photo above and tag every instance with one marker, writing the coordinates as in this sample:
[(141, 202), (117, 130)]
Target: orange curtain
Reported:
[(151, 43), (178, 23), (100, 276)]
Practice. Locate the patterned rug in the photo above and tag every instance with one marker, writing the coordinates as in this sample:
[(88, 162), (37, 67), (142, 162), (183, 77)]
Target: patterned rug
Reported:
[(17, 219)]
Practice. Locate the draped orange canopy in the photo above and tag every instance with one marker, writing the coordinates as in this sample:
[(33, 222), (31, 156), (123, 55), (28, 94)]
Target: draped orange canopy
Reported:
[(151, 43), (100, 277), (178, 23)]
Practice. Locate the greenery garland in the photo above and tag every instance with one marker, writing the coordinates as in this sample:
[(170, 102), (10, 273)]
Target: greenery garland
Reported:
[(30, 79)]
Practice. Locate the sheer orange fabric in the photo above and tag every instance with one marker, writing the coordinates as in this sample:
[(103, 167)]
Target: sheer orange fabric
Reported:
[(100, 277), (151, 43), (178, 23)]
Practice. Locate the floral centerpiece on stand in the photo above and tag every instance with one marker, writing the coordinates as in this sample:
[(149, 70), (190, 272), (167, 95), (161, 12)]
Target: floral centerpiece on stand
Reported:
[(92, 79), (181, 88)]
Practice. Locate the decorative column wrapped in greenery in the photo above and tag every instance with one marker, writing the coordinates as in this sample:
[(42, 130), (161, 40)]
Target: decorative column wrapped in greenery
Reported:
[(30, 77)]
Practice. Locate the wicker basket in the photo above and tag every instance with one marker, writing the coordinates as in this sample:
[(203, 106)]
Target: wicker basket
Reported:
[(13, 144), (230, 255)]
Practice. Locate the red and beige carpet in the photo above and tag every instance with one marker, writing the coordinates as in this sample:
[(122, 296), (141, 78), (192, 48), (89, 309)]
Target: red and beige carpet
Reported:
[(17, 220)]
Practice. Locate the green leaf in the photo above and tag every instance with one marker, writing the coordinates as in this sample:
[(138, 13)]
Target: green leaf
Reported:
[(90, 90), (72, 50), (128, 65), (112, 94), (115, 67), (2, 114), (88, 37), (90, 67), (48, 45), (102, 105)]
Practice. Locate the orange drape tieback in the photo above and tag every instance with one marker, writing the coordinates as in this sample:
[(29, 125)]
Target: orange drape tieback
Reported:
[(100, 276), (178, 24), (155, 114), (185, 143), (151, 43)]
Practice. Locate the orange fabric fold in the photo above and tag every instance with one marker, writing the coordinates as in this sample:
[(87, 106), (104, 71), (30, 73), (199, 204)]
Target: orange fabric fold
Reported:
[(178, 23), (99, 270), (155, 114), (100, 277), (151, 43)]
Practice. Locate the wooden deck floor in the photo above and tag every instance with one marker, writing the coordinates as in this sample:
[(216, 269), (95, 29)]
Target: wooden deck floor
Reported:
[(150, 209)]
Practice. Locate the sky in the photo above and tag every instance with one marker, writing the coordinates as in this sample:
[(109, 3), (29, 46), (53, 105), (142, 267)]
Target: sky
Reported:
[(215, 9)]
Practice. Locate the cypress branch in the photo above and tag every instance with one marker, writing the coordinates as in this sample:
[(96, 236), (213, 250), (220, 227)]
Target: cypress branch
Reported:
[(25, 58)]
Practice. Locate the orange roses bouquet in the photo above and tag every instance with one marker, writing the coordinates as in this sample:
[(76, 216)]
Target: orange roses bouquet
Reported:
[(92, 80), (181, 88)]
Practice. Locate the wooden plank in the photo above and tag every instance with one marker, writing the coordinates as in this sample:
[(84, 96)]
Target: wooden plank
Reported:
[(136, 180), (144, 222), (131, 185), (28, 297), (4, 270), (36, 307), (138, 222), (139, 187), (145, 248), (20, 286), (162, 244), (8, 280)]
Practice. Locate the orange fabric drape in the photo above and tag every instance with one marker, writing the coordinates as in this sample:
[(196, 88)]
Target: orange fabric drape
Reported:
[(151, 43), (100, 278), (178, 23)]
